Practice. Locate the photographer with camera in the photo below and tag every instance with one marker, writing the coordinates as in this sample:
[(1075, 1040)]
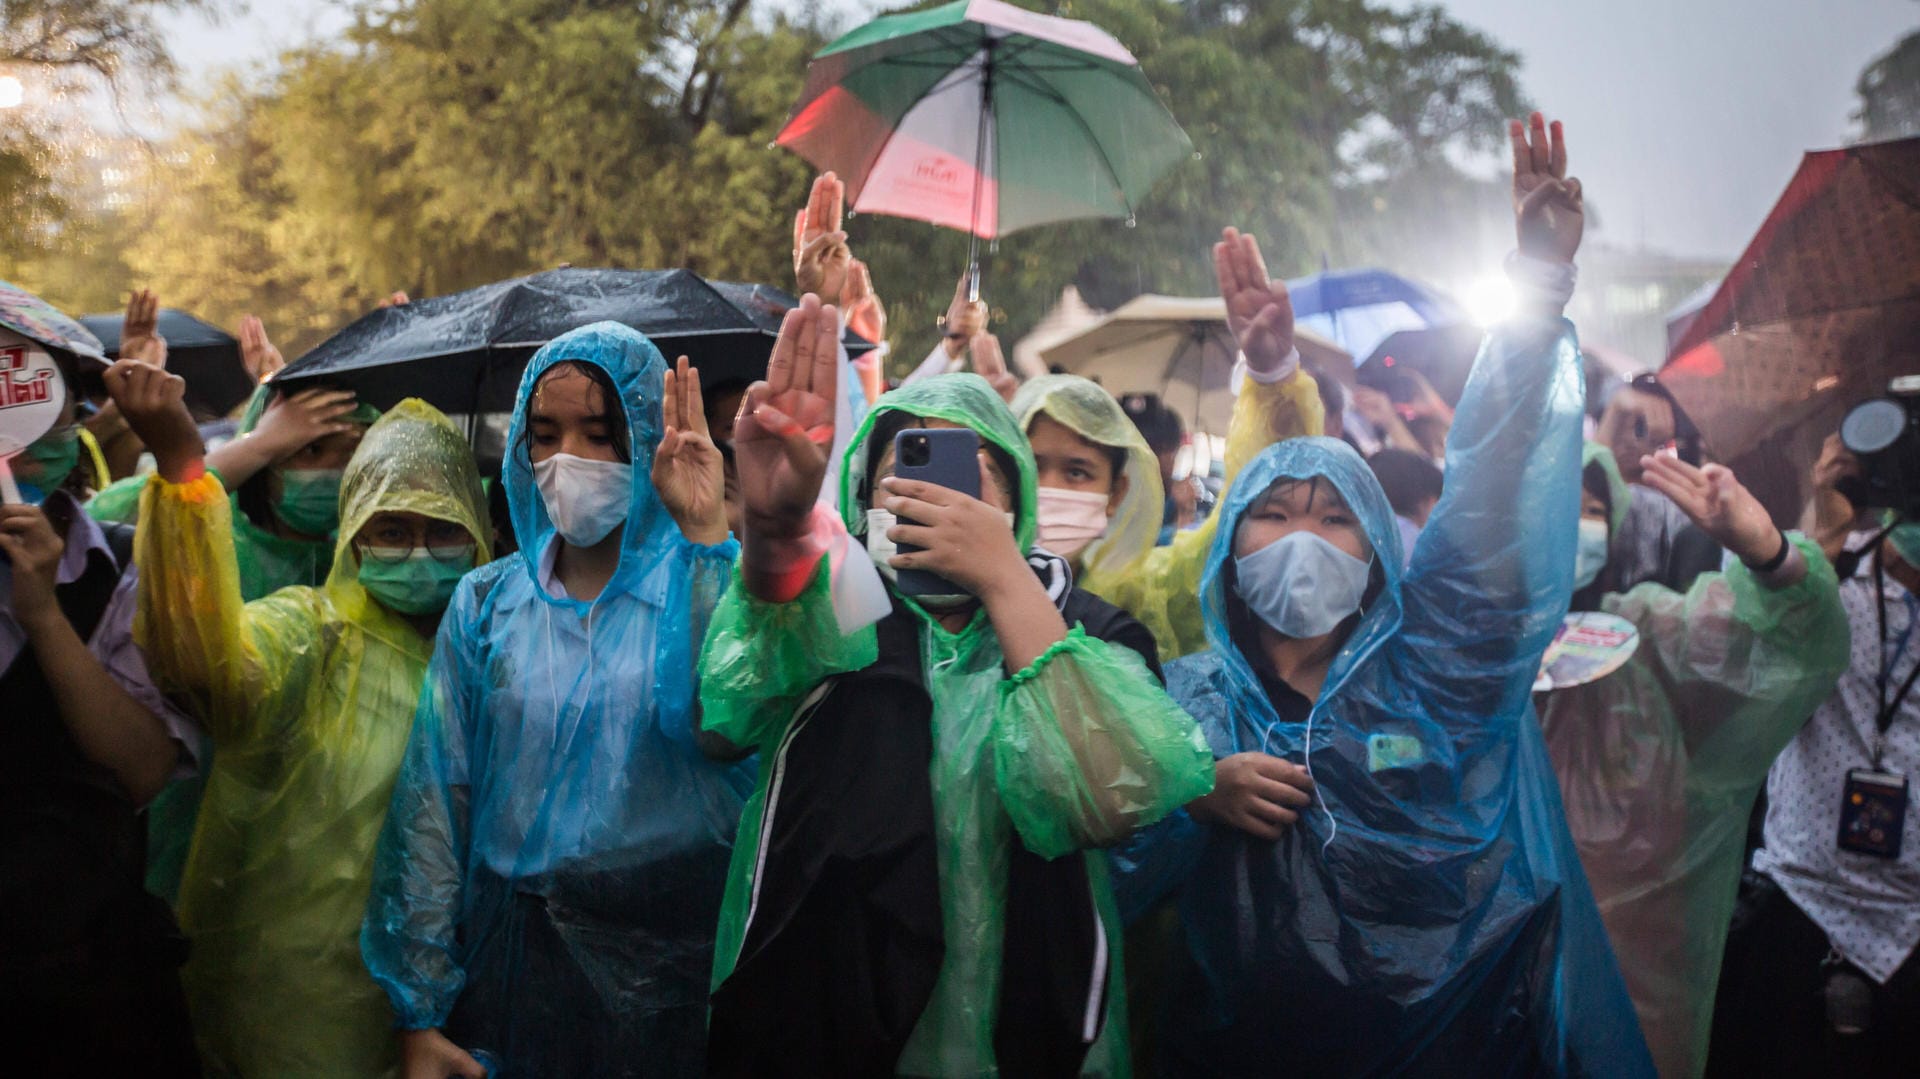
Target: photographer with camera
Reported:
[(1819, 976)]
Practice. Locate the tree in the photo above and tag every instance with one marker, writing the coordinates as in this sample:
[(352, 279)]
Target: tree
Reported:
[(1889, 91)]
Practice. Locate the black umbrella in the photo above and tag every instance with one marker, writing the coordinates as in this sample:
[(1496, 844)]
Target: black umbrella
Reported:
[(465, 352), (1443, 355), (207, 356)]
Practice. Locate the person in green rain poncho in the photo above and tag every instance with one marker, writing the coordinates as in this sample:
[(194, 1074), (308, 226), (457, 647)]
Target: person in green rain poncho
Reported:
[(307, 694), (1659, 762), (284, 473), (1100, 499), (915, 888)]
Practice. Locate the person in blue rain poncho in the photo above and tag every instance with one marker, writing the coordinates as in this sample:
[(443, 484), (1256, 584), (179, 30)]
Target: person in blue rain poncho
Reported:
[(548, 881), (1382, 881)]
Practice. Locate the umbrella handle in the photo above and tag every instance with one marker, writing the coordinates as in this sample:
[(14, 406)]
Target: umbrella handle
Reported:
[(973, 279)]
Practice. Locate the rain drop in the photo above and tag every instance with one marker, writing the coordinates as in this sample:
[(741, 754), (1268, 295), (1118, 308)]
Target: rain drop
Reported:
[(1132, 222)]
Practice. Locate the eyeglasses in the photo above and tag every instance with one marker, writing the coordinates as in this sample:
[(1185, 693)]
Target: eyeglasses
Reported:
[(393, 543)]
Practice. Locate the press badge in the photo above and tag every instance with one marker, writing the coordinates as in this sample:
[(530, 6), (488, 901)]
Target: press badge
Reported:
[(1873, 811), (1386, 751)]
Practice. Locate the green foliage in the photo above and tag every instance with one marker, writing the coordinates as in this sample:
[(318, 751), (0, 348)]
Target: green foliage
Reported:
[(447, 143), (1889, 92)]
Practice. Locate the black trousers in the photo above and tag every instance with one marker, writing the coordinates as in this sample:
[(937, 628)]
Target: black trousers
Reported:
[(1770, 1015)]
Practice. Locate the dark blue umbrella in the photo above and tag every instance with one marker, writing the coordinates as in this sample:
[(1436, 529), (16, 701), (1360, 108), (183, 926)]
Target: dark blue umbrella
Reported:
[(207, 356), (464, 352), (1358, 309)]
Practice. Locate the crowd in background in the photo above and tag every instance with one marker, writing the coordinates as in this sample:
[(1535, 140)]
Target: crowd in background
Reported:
[(705, 733)]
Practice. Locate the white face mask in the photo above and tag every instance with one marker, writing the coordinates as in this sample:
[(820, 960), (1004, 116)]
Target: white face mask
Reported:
[(1590, 552), (1302, 585), (880, 549), (1069, 520), (585, 499)]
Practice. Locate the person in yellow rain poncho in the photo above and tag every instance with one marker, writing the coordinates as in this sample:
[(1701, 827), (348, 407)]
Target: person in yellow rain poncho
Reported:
[(284, 473), (915, 888), (1659, 761), (1100, 497), (309, 695)]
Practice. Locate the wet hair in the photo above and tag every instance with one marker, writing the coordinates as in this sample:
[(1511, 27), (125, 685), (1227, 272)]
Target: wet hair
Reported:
[(610, 410), (1158, 424), (893, 422), (1408, 478)]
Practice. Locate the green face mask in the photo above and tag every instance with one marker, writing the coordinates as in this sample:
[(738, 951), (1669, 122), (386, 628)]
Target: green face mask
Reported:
[(309, 499), (54, 457), (1906, 542), (419, 583)]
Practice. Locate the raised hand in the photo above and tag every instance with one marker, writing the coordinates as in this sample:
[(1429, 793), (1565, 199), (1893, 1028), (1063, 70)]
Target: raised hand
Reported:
[(1715, 501), (991, 364), (965, 319), (140, 331), (292, 422), (865, 315), (964, 539), (784, 433), (154, 404), (688, 470), (30, 543), (1548, 208), (1259, 311), (258, 354), (821, 257)]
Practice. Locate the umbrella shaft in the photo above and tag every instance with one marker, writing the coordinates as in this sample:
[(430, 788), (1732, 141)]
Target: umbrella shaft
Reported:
[(980, 168)]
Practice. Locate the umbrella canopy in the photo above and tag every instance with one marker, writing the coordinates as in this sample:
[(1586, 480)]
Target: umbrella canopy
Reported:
[(37, 320), (1443, 355), (464, 352), (207, 356), (985, 117), (1358, 309), (1177, 347), (1821, 311)]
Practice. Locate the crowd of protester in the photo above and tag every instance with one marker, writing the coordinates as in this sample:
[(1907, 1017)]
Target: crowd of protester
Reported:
[(651, 752)]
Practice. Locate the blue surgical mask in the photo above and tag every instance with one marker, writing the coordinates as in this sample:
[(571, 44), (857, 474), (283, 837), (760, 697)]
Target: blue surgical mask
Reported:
[(1590, 552), (1302, 585)]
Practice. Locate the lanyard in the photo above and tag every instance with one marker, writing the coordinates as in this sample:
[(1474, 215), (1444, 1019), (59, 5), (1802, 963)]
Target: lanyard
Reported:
[(1884, 720)]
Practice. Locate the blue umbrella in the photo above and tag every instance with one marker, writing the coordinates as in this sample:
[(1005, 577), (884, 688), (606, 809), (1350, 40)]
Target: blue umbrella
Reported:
[(1358, 309)]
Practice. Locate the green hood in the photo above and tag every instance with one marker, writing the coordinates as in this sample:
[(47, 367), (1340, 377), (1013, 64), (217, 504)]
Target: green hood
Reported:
[(963, 399), (1618, 493)]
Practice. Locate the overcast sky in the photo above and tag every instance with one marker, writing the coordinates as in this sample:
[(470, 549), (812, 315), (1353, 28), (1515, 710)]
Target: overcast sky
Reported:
[(1685, 117)]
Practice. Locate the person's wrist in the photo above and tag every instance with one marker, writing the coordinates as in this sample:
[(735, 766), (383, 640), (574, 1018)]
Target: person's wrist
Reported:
[(180, 466), (38, 614), (1764, 554)]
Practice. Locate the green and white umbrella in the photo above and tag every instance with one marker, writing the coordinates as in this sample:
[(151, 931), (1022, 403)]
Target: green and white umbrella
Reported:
[(985, 117)]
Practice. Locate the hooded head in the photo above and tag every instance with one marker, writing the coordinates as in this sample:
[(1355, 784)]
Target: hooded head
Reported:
[(299, 489), (966, 400), (636, 371), (412, 460), (1332, 462), (1091, 413), (1604, 494)]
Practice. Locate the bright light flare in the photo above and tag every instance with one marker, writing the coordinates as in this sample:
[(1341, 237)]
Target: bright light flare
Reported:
[(1489, 300), (12, 93)]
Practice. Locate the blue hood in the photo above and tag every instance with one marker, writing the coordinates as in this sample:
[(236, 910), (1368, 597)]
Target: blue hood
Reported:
[(638, 370), (1301, 459)]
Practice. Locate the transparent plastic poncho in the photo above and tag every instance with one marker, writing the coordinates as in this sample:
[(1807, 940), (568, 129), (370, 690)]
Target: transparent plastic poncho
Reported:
[(1007, 764), (1160, 586), (550, 874), (306, 696), (1660, 762), (1428, 912)]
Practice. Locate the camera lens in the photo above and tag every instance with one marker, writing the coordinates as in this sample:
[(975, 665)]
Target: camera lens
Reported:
[(914, 451), (1873, 426)]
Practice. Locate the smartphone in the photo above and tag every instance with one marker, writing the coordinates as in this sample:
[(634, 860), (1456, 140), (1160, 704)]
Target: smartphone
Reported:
[(946, 457)]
